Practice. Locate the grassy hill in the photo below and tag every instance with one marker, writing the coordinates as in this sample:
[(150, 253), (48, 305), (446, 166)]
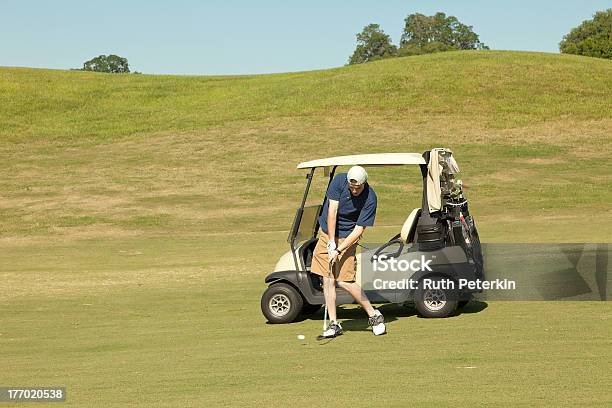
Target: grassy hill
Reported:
[(128, 153), (139, 214), (495, 90)]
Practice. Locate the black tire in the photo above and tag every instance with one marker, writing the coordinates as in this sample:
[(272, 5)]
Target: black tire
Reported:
[(281, 303), (308, 309), (435, 303)]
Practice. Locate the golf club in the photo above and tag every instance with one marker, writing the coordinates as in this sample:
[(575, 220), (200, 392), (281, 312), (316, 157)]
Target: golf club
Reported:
[(329, 273), (325, 294)]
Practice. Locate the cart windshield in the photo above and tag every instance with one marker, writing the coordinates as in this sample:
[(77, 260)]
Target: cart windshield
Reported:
[(304, 223)]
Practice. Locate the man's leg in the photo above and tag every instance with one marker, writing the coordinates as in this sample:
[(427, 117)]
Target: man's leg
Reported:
[(375, 318), (355, 290), (329, 291)]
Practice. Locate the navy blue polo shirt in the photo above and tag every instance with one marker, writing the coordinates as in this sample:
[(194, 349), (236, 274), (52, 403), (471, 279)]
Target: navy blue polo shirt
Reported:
[(352, 211)]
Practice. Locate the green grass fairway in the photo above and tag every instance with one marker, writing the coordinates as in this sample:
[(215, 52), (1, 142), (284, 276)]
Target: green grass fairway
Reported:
[(139, 215)]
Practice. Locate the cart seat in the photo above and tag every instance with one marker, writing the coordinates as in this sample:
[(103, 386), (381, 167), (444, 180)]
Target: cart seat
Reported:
[(409, 227)]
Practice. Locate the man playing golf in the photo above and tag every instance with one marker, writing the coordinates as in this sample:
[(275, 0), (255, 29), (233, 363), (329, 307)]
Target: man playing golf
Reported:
[(350, 208)]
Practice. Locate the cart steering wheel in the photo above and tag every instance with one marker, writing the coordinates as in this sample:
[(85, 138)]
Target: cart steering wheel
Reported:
[(395, 240)]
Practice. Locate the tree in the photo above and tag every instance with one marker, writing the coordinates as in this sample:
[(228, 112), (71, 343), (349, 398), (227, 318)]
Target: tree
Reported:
[(372, 44), (426, 34), (592, 38), (111, 63)]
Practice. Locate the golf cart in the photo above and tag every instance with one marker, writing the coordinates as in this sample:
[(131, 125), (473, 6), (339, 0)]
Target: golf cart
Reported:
[(441, 230)]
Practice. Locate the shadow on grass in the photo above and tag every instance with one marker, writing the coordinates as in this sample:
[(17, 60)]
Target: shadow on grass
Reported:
[(475, 306), (356, 319)]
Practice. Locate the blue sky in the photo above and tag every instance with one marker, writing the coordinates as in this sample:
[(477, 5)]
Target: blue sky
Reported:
[(242, 37)]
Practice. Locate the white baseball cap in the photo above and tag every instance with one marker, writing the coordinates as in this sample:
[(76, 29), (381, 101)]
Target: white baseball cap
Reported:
[(358, 174)]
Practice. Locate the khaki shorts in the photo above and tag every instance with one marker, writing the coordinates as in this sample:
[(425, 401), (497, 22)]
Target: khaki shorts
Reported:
[(344, 269)]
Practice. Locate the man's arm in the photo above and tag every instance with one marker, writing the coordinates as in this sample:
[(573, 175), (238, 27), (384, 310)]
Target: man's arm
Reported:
[(352, 238), (332, 213)]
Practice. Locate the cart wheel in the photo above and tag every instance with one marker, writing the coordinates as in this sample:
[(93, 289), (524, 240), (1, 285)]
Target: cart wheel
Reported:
[(309, 309), (435, 303), (281, 303)]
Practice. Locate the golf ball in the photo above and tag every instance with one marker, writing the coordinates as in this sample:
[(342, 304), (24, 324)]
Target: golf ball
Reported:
[(301, 337)]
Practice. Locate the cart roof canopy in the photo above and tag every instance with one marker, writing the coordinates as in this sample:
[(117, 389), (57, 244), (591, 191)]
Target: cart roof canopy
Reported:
[(375, 159)]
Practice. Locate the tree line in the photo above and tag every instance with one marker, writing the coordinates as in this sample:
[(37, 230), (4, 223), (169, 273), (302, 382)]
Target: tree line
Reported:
[(592, 38), (428, 34), (421, 35)]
